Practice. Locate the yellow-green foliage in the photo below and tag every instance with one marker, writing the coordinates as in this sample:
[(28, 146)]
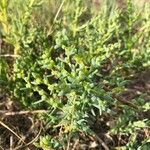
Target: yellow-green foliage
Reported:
[(62, 49)]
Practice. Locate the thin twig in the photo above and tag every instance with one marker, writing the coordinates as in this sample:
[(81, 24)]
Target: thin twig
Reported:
[(1, 148), (128, 103), (110, 138), (8, 113), (69, 138), (31, 140), (75, 144), (5, 126), (102, 143), (11, 142)]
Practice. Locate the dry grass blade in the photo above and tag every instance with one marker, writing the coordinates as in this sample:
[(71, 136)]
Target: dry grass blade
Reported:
[(7, 113), (9, 55), (1, 148), (75, 144), (102, 143), (5, 126), (58, 11), (27, 144), (56, 16), (11, 143)]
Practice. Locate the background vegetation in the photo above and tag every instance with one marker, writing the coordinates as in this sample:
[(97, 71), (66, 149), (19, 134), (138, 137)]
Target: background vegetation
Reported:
[(78, 60)]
